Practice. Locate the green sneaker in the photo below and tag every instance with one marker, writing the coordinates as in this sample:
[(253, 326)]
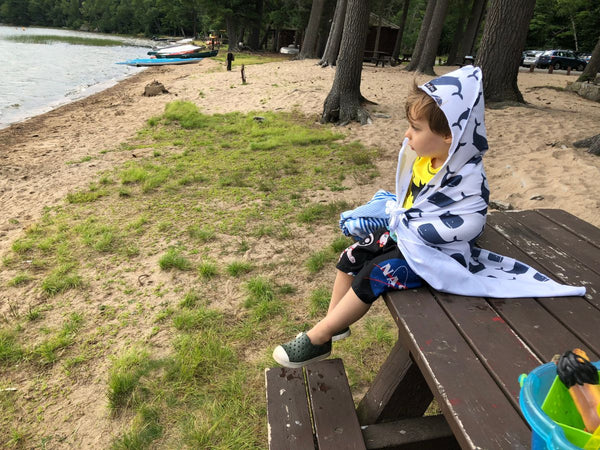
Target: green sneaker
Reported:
[(341, 335), (300, 352)]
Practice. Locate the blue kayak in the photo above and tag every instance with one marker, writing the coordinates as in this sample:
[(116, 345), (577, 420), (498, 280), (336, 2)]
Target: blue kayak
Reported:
[(159, 61)]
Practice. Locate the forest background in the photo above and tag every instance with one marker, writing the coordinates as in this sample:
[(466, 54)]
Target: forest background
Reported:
[(565, 24)]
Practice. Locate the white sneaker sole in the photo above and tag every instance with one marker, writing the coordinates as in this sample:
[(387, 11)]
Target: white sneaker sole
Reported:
[(280, 355), (339, 337)]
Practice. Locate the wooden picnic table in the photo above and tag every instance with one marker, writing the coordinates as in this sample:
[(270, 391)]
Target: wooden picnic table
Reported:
[(377, 57), (468, 352)]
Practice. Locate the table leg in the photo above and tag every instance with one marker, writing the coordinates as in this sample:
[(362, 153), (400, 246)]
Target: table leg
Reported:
[(399, 390)]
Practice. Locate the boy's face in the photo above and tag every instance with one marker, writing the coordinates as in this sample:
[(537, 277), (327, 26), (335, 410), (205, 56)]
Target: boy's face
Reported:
[(426, 143)]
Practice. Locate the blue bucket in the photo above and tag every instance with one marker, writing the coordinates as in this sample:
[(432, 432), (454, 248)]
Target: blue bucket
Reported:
[(548, 433)]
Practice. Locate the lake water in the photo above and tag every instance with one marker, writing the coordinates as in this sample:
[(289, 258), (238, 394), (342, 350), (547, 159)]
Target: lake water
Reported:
[(35, 78)]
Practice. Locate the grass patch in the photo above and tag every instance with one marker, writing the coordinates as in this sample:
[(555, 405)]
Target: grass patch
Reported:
[(317, 261), (261, 299), (46, 352), (10, 350), (320, 212), (238, 268), (20, 279), (72, 40), (207, 269), (319, 302), (124, 386), (173, 259), (63, 278), (249, 59)]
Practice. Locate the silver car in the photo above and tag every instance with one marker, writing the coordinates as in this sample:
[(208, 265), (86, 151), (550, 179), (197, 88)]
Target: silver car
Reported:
[(531, 57)]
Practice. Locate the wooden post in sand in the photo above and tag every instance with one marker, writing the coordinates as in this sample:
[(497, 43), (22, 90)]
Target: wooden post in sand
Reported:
[(243, 75)]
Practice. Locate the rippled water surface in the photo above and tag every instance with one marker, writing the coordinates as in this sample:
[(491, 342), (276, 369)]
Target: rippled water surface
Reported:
[(35, 78)]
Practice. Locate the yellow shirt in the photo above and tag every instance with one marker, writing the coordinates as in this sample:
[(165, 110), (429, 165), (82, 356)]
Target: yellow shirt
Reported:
[(422, 173)]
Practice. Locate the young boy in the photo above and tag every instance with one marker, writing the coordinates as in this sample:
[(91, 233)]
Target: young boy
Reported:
[(439, 210)]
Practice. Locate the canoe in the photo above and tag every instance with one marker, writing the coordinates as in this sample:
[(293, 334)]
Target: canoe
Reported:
[(197, 54), (144, 62), (176, 50)]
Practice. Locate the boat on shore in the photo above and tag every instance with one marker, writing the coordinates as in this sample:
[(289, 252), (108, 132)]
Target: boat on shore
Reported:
[(147, 62), (197, 54), (183, 51)]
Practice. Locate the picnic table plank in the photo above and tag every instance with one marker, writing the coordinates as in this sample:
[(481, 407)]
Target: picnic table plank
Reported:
[(580, 315), (562, 237), (479, 416), (500, 350), (548, 257), (528, 316), (574, 224), (335, 421), (290, 418)]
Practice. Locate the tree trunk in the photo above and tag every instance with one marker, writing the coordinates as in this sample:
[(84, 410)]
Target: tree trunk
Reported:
[(592, 142), (593, 67), (467, 42), (254, 38), (503, 40), (575, 34), (344, 102), (309, 46), (263, 42), (232, 33), (416, 54), (427, 58), (458, 34), (332, 47), (398, 44)]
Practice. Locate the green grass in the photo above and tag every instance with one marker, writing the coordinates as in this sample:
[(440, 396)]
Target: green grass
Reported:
[(173, 259), (207, 269), (46, 351), (61, 279), (73, 40), (319, 302), (238, 268), (221, 204), (249, 59), (20, 279)]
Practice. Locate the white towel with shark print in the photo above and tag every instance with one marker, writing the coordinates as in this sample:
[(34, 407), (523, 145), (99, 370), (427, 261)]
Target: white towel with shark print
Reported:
[(437, 234)]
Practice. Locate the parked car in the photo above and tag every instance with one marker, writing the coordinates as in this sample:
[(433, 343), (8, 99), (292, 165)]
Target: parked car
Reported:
[(531, 57), (585, 56), (560, 59)]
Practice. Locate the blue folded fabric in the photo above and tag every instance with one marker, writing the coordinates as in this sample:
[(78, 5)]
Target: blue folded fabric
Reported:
[(367, 218)]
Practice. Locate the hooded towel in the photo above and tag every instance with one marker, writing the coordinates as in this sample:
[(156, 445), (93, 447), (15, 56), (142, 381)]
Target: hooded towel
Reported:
[(437, 234)]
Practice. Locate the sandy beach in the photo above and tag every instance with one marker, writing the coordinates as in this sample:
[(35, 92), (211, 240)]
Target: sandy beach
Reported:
[(531, 164)]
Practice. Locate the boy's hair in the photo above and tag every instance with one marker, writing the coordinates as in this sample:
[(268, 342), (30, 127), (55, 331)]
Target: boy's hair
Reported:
[(420, 106)]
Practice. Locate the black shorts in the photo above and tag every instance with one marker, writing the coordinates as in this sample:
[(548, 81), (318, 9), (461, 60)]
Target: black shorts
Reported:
[(377, 265)]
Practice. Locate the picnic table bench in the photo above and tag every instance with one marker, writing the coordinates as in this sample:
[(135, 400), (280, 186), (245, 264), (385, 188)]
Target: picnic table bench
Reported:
[(468, 352), (377, 57)]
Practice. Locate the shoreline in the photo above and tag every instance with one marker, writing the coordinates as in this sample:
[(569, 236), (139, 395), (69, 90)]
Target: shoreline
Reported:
[(88, 92), (531, 162)]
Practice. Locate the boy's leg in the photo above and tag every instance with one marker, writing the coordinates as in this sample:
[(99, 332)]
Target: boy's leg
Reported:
[(348, 310), (343, 282)]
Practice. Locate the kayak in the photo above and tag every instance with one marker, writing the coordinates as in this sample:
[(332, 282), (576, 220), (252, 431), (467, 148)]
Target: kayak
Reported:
[(142, 62)]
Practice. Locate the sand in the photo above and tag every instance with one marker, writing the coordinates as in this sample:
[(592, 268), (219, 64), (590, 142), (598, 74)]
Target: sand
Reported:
[(531, 164)]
